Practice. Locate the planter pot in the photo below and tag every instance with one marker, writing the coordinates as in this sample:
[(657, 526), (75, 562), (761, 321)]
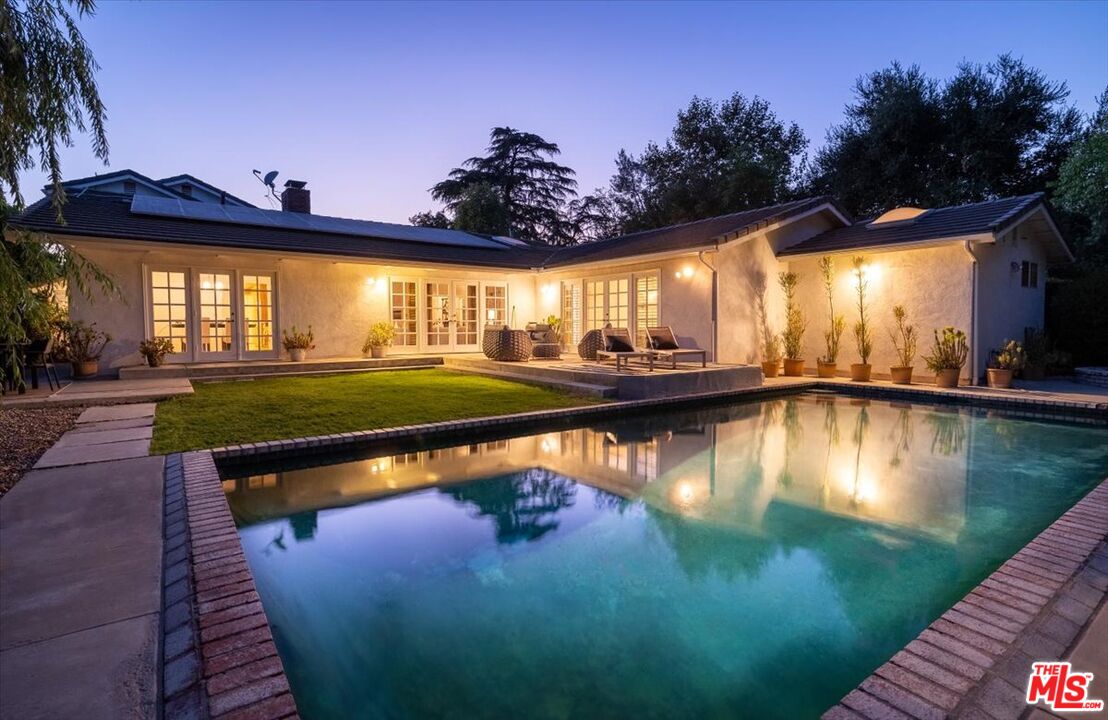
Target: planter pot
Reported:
[(947, 378), (298, 354), (901, 375), (769, 369), (86, 368), (1033, 372), (999, 378), (860, 372), (826, 370), (794, 368), (378, 351)]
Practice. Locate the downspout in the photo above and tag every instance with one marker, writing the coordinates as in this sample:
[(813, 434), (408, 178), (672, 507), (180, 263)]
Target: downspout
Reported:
[(715, 300), (974, 377)]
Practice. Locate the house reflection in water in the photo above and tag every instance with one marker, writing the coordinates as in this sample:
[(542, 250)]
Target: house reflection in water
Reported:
[(872, 462)]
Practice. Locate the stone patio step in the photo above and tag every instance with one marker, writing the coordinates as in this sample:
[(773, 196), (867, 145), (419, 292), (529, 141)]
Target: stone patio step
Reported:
[(256, 368), (570, 386)]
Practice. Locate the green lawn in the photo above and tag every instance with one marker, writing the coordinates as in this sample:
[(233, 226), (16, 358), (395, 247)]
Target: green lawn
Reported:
[(228, 413)]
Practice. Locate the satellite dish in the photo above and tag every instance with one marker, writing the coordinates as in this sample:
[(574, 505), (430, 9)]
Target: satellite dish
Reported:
[(268, 180)]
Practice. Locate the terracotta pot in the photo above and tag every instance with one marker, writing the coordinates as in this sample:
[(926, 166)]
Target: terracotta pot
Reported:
[(947, 378), (298, 354), (999, 378), (153, 361), (860, 372), (825, 369), (378, 351), (794, 368), (86, 368), (901, 375), (769, 369)]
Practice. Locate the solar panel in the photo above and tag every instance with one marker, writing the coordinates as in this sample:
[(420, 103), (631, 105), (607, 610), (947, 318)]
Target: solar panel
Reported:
[(213, 212)]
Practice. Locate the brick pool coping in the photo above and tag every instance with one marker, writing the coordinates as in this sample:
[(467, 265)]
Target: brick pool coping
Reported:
[(223, 663), (974, 660)]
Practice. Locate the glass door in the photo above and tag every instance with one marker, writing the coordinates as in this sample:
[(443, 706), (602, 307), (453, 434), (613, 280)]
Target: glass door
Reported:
[(437, 315), (215, 316), (258, 324), (467, 334), (169, 311)]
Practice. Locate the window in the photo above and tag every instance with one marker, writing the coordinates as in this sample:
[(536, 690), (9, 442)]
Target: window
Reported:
[(404, 314), (595, 314), (646, 306), (619, 303), (1029, 274), (496, 305), (257, 307), (129, 187), (169, 307), (571, 314)]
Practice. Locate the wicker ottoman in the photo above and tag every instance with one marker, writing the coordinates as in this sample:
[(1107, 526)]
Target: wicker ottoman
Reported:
[(506, 345), (548, 351), (590, 344)]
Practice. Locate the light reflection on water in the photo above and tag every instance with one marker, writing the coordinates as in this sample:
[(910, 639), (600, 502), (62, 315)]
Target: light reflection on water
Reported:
[(727, 551)]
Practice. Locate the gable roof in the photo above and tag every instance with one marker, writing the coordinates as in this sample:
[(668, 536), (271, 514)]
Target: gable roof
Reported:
[(90, 182), (990, 217), (193, 180)]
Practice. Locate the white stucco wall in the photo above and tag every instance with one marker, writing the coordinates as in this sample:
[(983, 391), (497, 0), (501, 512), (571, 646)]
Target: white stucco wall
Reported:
[(933, 284), (747, 272), (1006, 308)]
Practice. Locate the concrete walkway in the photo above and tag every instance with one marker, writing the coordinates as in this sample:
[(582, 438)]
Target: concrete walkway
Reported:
[(91, 392), (81, 574)]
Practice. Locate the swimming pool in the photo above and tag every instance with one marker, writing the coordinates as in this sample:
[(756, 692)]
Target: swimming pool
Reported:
[(756, 560)]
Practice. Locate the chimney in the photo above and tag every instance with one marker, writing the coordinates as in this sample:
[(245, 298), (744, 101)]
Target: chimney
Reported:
[(296, 198)]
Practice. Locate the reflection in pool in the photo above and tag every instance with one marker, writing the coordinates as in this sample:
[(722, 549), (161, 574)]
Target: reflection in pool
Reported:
[(751, 561)]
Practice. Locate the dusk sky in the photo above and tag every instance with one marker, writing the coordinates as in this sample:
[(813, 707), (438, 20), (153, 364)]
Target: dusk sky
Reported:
[(373, 103)]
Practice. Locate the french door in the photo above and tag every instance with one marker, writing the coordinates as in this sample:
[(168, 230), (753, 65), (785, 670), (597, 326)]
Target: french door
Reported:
[(451, 315), (215, 315)]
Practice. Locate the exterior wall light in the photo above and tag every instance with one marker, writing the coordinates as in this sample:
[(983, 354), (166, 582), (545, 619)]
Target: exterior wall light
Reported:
[(685, 272)]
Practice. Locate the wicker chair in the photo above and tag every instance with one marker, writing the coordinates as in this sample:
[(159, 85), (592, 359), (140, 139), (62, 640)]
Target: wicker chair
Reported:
[(590, 344), (506, 345)]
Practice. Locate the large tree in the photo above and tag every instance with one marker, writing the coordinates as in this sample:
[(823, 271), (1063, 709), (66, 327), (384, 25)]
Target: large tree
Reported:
[(1082, 188), (47, 91), (533, 188), (990, 131), (720, 158), (482, 211)]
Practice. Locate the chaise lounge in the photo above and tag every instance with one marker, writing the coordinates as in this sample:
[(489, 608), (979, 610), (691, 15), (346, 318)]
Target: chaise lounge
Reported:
[(619, 345), (664, 346)]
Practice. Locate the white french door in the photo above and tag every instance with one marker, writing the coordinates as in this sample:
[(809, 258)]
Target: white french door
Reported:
[(451, 315), (215, 315)]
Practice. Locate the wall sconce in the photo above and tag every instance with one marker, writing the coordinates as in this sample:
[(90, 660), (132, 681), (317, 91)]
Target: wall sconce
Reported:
[(1015, 266), (685, 272), (548, 290)]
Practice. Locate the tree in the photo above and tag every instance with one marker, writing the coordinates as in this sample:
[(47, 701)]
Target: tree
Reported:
[(481, 210), (990, 131), (720, 158), (47, 91), (593, 217), (1082, 188), (431, 219), (533, 188)]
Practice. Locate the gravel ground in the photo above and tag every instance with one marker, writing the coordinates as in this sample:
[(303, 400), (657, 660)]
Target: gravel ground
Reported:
[(27, 434)]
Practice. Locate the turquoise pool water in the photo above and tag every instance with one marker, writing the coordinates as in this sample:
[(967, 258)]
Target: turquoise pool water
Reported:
[(757, 560)]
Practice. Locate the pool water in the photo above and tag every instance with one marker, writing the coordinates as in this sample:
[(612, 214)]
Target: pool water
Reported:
[(757, 560)]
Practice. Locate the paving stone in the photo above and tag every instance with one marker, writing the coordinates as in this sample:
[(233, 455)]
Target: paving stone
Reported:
[(1070, 609), (956, 647), (221, 616), (1060, 628), (117, 412), (178, 614), (244, 674), (918, 685), (1001, 700), (901, 699), (85, 438), (232, 627), (931, 671), (281, 706), (841, 712), (234, 642), (873, 708), (254, 692), (1041, 647), (236, 658), (84, 455), (180, 673), (179, 641)]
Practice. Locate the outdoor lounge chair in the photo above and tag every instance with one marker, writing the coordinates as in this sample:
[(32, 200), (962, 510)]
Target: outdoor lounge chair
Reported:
[(664, 345), (619, 345)]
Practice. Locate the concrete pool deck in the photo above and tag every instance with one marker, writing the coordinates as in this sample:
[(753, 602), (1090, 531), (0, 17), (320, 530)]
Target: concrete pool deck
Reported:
[(84, 496)]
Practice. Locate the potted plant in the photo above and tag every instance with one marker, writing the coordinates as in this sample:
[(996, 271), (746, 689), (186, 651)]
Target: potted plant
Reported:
[(863, 335), (297, 343), (795, 325), (1036, 349), (948, 357), (771, 353), (904, 340), (1004, 363), (155, 350), (379, 339), (82, 345), (825, 366)]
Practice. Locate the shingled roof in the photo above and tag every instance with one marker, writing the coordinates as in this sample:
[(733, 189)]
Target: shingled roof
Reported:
[(989, 217)]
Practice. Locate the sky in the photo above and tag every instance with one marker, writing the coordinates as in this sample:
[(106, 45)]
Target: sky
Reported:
[(373, 103)]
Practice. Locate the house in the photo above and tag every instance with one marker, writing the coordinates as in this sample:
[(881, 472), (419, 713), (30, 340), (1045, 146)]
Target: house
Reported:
[(221, 278)]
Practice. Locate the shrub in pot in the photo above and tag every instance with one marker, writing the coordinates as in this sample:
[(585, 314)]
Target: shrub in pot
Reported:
[(155, 350), (771, 354), (825, 366), (81, 345), (795, 325), (378, 339), (904, 341), (1004, 363), (863, 334), (297, 343), (948, 357)]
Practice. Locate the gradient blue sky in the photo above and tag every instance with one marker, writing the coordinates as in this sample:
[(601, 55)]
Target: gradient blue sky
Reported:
[(372, 103)]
